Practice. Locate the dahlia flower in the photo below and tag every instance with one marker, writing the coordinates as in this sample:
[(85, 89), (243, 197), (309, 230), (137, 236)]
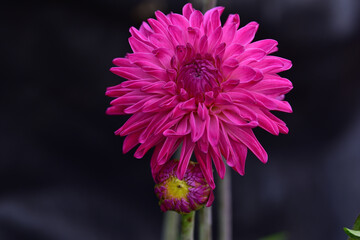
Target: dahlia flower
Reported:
[(182, 195), (194, 81)]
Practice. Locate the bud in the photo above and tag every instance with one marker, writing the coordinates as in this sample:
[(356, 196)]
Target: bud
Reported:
[(186, 195)]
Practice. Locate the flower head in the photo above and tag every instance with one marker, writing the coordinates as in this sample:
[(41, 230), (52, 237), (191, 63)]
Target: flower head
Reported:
[(182, 195), (191, 80)]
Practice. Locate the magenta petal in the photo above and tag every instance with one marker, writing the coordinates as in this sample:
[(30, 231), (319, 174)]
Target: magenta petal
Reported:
[(230, 27), (187, 10), (218, 162), (131, 141), (176, 35), (211, 199), (206, 167), (196, 19), (213, 130), (233, 50), (197, 127), (131, 73), (244, 74), (266, 44), (246, 34), (161, 17), (240, 151), (134, 124), (247, 137), (143, 148), (179, 20), (139, 46), (186, 151), (165, 152)]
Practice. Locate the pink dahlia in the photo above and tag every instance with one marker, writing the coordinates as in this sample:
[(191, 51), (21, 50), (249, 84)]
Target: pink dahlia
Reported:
[(191, 80)]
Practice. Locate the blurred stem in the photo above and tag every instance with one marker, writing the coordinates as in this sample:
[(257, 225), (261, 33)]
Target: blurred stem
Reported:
[(205, 224), (204, 4), (208, 4), (171, 226), (225, 206), (187, 226)]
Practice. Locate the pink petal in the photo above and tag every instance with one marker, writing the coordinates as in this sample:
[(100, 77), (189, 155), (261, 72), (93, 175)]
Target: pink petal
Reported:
[(155, 167), (229, 84), (122, 62), (215, 38), (247, 137), (157, 26), (246, 34), (273, 86), (161, 41), (206, 166), (197, 127), (137, 107), (272, 103), (196, 19), (233, 50), (187, 10), (266, 44), (168, 148), (179, 20), (212, 19), (115, 110), (213, 130), (183, 128), (176, 35), (273, 64), (230, 26), (161, 17), (240, 153), (253, 54), (143, 148), (139, 46), (243, 73), (134, 124), (202, 111), (186, 151), (218, 162), (131, 73), (144, 59), (211, 198), (131, 141)]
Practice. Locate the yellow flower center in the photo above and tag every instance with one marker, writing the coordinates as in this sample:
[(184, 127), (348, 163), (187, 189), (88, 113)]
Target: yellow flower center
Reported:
[(176, 188)]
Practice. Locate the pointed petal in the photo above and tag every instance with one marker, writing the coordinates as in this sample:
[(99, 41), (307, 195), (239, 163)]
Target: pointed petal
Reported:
[(186, 151)]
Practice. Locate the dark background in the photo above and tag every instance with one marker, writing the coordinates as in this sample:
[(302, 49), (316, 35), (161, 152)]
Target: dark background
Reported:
[(62, 172)]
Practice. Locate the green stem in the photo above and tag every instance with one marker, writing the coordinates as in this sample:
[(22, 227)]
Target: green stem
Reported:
[(187, 226), (204, 4), (170, 226), (205, 222), (225, 207), (208, 4)]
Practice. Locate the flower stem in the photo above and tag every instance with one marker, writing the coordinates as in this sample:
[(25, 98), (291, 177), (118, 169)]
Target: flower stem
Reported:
[(170, 226), (205, 222), (204, 4), (187, 226), (225, 207), (208, 4)]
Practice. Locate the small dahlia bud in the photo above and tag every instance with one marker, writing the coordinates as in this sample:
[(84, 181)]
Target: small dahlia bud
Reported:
[(186, 195)]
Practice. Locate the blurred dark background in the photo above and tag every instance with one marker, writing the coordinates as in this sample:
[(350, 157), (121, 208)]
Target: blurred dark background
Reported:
[(62, 172)]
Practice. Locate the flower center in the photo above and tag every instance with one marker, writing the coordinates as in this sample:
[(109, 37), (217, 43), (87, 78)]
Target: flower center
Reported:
[(176, 188), (198, 77)]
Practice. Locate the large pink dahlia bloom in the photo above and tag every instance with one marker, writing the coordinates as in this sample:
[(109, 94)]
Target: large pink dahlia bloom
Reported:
[(191, 80)]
